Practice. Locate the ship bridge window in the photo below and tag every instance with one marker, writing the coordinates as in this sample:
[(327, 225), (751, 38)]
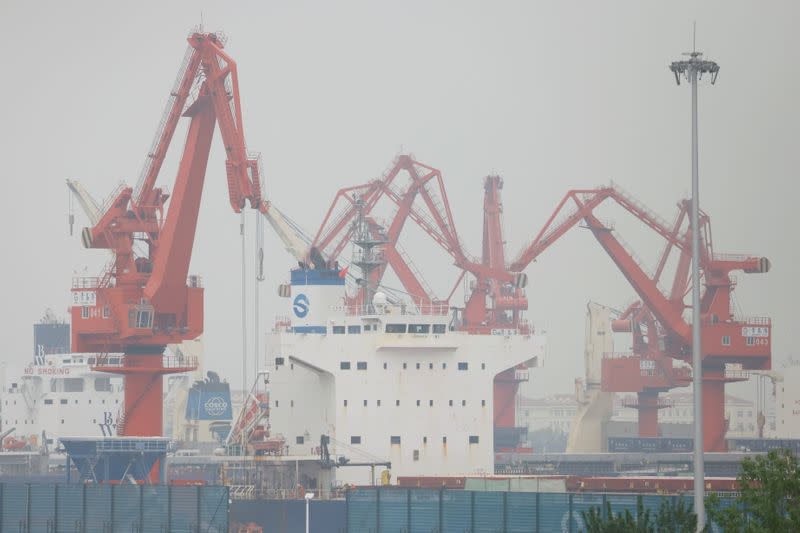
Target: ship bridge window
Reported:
[(394, 439), (473, 439), (279, 361), (353, 330), (66, 385), (338, 330), (48, 401), (395, 328), (344, 365), (439, 329), (361, 365), (102, 384), (463, 366), (419, 328)]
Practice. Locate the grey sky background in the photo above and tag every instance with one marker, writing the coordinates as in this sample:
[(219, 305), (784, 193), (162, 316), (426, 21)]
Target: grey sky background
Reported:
[(551, 95)]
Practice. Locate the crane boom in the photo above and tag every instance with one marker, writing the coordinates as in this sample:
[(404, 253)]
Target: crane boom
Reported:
[(292, 240), (89, 205)]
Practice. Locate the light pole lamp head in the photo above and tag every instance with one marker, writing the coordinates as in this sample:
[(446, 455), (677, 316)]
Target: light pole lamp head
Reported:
[(694, 65), (309, 496)]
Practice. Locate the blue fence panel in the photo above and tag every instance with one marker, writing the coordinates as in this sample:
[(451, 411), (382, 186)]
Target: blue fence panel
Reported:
[(622, 502), (582, 503), (652, 503), (127, 507), (554, 512), (69, 499), (488, 512), (361, 516), (15, 508), (43, 508), (98, 507), (521, 512), (155, 500), (183, 509), (456, 511), (214, 509), (393, 510), (424, 511)]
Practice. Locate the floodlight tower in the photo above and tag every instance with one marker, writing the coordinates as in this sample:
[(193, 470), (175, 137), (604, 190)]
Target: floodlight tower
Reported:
[(693, 70)]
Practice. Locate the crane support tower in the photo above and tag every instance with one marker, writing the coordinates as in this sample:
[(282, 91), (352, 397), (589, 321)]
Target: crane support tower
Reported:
[(145, 297)]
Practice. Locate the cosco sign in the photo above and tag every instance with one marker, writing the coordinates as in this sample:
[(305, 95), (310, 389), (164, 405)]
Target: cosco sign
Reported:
[(215, 406)]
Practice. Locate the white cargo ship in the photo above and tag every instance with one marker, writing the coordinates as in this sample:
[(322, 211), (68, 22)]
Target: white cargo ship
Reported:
[(387, 383)]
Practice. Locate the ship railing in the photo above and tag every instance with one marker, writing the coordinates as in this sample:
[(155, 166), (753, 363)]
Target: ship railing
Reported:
[(86, 282), (735, 258), (632, 402), (737, 374), (138, 445), (620, 355), (755, 320), (167, 361), (741, 321), (432, 308)]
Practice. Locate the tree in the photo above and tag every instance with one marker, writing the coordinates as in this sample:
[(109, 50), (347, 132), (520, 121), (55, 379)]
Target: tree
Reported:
[(676, 517), (769, 497), (672, 517), (598, 522)]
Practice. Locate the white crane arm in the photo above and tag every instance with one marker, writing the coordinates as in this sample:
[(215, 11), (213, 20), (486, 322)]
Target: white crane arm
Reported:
[(292, 240), (88, 203)]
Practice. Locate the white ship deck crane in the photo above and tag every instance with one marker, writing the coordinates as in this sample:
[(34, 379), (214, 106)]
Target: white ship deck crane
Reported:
[(294, 240), (86, 200)]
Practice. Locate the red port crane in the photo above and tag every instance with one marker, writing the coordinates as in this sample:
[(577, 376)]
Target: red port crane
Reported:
[(726, 338), (145, 298), (497, 297)]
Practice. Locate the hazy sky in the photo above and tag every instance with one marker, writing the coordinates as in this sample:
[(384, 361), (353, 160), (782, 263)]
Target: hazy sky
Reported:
[(551, 95)]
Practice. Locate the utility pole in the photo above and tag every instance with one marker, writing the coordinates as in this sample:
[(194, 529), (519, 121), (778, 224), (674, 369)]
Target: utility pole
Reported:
[(692, 70), (244, 327)]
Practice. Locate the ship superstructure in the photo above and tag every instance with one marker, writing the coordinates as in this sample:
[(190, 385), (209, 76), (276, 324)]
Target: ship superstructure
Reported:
[(59, 395), (386, 382)]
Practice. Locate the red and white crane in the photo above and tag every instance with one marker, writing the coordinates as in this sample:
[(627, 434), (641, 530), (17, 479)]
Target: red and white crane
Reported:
[(145, 298)]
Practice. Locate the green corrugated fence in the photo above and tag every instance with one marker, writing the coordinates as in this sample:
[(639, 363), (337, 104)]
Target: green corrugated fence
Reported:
[(90, 508), (396, 510)]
